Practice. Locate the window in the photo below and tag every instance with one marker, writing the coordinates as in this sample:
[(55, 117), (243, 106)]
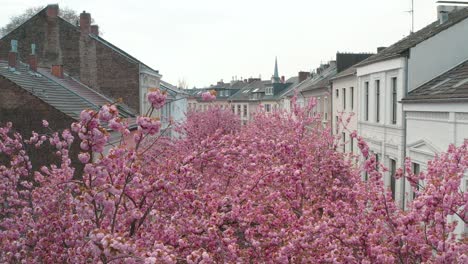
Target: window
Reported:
[(233, 108), (344, 98), (377, 159), (392, 177), (337, 124), (351, 141), (337, 93), (394, 100), (416, 170), (325, 107), (352, 98), (239, 109), (319, 105), (377, 101), (366, 102), (245, 110), (343, 135), (267, 107), (269, 90)]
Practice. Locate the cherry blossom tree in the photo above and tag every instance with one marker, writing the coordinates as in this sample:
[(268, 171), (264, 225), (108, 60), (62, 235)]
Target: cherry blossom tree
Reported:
[(272, 191)]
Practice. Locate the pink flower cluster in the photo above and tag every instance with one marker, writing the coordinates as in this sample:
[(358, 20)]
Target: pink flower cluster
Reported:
[(273, 191), (209, 96), (157, 98), (148, 125)]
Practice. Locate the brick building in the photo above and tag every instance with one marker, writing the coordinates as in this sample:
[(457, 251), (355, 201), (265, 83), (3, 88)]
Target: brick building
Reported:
[(30, 94), (84, 55)]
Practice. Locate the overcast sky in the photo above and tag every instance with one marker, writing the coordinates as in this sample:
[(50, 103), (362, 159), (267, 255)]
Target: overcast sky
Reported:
[(203, 41)]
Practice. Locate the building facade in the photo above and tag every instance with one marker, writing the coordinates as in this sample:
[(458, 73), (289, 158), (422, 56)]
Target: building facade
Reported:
[(437, 116), (345, 105), (85, 56), (384, 80)]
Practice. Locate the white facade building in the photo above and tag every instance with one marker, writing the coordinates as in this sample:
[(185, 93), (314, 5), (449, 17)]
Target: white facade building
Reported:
[(345, 105), (380, 118), (385, 78), (437, 116)]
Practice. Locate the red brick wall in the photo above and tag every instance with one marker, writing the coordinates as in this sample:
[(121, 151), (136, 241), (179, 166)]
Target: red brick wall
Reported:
[(27, 112)]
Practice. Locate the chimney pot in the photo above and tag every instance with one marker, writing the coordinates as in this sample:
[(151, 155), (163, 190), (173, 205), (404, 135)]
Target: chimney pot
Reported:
[(52, 11), (85, 23), (57, 71), (283, 80), (303, 76), (33, 58), (379, 49), (95, 30), (13, 54)]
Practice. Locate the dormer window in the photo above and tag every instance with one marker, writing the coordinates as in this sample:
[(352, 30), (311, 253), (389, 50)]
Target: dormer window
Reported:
[(269, 91)]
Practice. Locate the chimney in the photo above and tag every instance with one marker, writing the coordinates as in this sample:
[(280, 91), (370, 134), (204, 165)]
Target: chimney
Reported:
[(57, 71), (303, 76), (380, 49), (52, 11), (33, 58), (13, 54), (283, 80), (95, 30), (85, 23)]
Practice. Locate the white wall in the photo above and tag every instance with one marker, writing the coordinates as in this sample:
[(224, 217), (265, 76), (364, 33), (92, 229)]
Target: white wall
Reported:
[(431, 128), (384, 138), (350, 107), (438, 54)]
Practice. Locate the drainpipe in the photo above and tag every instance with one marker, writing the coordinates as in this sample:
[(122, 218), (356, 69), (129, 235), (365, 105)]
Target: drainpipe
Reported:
[(331, 105), (405, 93)]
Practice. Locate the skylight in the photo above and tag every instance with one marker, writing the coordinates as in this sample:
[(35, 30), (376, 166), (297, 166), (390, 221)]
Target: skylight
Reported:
[(439, 84), (460, 83)]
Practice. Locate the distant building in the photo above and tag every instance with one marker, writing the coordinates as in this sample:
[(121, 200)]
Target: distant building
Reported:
[(344, 98), (223, 92)]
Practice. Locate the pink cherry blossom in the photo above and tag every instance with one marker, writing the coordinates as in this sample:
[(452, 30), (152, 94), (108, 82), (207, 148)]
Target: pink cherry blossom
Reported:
[(209, 96), (157, 98), (273, 191)]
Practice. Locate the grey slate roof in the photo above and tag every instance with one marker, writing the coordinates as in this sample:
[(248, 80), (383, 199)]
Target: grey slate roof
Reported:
[(319, 80), (451, 85), (66, 95), (233, 88), (259, 87), (399, 48), (348, 72), (172, 89)]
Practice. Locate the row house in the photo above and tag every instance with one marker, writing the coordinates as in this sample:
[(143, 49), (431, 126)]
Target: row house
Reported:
[(85, 56), (437, 116), (223, 92), (246, 97), (385, 79), (258, 95)]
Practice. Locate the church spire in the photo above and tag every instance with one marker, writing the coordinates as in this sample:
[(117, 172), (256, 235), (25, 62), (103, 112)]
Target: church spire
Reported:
[(276, 78)]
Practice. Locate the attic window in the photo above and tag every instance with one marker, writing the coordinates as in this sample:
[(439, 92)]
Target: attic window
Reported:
[(460, 83), (269, 91)]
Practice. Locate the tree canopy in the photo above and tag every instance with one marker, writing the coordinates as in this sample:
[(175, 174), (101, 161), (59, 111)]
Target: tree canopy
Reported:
[(66, 13), (273, 191)]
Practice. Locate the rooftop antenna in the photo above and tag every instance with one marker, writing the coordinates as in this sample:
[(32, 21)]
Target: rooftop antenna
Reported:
[(411, 12)]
